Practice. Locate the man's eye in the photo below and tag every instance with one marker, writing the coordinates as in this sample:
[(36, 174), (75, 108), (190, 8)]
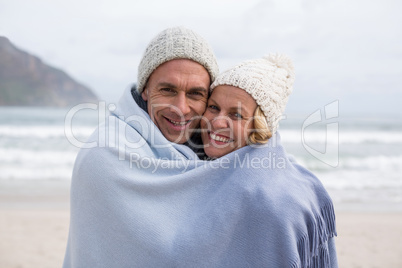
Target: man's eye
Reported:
[(167, 90), (196, 94)]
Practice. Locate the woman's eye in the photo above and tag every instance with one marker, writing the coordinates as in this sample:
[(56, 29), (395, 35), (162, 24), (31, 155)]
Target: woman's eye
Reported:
[(237, 115), (213, 107)]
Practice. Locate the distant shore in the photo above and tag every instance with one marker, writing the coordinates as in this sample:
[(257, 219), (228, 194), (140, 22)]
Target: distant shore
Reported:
[(34, 222)]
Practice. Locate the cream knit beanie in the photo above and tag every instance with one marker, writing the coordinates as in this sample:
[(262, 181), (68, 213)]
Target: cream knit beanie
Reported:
[(268, 80), (176, 43)]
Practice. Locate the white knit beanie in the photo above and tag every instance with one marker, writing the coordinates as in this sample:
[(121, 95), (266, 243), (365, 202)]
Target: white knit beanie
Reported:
[(176, 43), (268, 80)]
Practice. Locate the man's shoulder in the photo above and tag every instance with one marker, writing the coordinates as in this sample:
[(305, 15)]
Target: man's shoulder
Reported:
[(137, 98), (195, 144)]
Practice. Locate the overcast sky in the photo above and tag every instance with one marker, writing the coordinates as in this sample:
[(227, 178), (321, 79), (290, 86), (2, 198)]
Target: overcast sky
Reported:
[(346, 50)]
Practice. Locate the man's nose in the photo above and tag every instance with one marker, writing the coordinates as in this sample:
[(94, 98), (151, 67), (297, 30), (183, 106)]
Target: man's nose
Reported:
[(181, 104)]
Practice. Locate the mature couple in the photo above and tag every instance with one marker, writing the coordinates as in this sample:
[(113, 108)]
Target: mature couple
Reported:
[(153, 201)]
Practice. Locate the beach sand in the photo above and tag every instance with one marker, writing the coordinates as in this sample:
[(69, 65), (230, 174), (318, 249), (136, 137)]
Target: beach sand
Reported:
[(34, 230), (33, 238)]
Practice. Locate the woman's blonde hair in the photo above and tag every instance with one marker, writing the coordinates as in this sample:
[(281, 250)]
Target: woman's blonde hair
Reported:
[(261, 133)]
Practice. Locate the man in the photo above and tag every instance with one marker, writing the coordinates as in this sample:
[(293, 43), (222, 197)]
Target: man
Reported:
[(174, 76)]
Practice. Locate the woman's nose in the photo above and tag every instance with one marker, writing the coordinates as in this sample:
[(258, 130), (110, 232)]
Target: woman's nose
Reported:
[(221, 121)]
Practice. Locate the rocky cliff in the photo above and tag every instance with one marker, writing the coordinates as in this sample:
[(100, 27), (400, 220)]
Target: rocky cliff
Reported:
[(26, 81)]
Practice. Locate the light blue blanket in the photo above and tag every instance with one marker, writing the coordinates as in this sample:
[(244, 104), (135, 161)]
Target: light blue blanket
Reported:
[(138, 200)]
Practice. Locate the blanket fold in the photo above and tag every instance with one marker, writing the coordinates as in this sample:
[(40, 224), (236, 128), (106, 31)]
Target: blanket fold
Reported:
[(141, 201)]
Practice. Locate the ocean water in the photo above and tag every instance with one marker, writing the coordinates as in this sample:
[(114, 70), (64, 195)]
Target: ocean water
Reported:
[(359, 160)]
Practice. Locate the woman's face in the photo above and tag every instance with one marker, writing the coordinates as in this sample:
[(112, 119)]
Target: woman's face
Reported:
[(227, 121)]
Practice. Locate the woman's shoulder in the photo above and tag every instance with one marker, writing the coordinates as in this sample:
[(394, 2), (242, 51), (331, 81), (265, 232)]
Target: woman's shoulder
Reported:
[(284, 184)]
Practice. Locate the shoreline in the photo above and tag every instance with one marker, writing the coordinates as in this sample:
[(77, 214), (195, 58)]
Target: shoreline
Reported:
[(52, 194), (34, 223)]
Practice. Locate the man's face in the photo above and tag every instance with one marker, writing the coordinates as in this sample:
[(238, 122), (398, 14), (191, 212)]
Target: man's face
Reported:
[(177, 93)]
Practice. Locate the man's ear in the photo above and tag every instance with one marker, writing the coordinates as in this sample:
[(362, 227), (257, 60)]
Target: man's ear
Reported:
[(144, 94)]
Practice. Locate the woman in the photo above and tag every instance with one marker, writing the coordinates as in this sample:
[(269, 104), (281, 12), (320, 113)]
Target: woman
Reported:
[(244, 108), (246, 104)]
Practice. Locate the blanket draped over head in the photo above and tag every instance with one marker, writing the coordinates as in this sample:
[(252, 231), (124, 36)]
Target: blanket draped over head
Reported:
[(138, 200)]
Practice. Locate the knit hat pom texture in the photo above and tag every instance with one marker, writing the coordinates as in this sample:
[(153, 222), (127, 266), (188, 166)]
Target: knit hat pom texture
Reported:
[(269, 80)]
